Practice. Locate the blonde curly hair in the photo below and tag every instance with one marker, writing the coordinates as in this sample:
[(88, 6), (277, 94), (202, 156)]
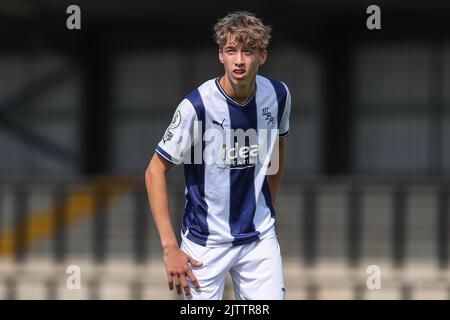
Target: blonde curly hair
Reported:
[(243, 27)]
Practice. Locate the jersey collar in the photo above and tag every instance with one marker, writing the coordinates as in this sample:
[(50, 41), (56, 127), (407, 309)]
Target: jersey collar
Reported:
[(231, 99)]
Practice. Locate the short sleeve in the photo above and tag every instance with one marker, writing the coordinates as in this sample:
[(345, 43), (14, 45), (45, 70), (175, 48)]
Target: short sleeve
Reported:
[(284, 122), (179, 135)]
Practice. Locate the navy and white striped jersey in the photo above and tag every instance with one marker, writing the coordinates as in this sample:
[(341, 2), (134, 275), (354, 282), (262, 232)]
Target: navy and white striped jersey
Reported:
[(228, 200)]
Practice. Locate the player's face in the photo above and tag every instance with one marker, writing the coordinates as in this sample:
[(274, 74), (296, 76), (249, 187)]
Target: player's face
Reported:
[(240, 62)]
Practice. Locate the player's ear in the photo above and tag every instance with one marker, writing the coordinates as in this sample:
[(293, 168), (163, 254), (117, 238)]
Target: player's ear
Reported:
[(221, 55), (262, 57)]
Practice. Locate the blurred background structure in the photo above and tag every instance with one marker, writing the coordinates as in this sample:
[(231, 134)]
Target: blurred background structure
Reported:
[(81, 111)]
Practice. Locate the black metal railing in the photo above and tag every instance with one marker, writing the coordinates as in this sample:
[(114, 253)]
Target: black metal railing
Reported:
[(141, 228)]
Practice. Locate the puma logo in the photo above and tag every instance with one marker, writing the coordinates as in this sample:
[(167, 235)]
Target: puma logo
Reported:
[(218, 123)]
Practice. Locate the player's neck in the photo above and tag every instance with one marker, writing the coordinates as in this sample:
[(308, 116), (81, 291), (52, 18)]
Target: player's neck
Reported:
[(240, 94)]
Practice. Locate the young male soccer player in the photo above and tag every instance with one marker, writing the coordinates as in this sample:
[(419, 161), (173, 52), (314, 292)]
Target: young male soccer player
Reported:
[(228, 221)]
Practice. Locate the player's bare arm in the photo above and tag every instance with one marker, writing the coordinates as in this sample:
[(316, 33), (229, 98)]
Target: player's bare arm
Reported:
[(275, 179), (175, 260)]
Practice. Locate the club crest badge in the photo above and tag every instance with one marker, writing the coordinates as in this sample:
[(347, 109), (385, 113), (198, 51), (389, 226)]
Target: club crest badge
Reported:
[(176, 120), (267, 116)]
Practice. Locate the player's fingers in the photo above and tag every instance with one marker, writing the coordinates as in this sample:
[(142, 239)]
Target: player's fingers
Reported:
[(177, 283), (185, 285), (194, 262), (170, 281), (194, 280)]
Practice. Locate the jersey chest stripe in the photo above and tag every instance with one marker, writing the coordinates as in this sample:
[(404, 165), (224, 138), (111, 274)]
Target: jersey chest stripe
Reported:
[(242, 181), (281, 93), (195, 216)]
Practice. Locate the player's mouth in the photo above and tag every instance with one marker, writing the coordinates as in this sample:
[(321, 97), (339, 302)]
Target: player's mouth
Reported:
[(239, 73)]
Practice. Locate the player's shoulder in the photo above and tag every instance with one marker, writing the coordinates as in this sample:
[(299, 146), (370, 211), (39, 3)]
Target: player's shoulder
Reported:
[(194, 99), (202, 90), (279, 86)]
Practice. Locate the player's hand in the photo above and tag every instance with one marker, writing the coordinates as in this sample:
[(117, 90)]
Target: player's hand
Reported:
[(177, 267)]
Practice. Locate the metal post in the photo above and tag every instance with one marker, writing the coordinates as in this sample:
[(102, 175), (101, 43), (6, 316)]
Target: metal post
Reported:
[(20, 222), (309, 224), (59, 222), (354, 224), (141, 226), (398, 226), (100, 223), (442, 226)]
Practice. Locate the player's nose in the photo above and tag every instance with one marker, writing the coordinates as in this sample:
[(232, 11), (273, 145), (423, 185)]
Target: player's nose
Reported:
[(239, 59)]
